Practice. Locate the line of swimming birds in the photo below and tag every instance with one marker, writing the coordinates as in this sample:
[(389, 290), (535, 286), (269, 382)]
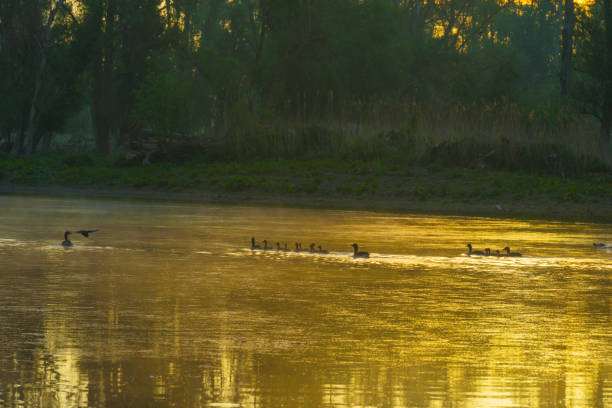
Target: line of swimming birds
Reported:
[(487, 252), (298, 248), (319, 250)]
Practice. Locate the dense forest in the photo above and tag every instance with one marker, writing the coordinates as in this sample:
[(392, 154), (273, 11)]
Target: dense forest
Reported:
[(278, 78)]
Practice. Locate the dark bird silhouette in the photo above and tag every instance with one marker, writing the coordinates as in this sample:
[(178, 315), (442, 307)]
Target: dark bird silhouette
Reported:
[(66, 242), (253, 245), (85, 233), (322, 251), (600, 245), (470, 252), (359, 254), (508, 253)]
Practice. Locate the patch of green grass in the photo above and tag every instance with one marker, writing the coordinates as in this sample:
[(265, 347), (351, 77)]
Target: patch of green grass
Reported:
[(352, 178), (236, 183)]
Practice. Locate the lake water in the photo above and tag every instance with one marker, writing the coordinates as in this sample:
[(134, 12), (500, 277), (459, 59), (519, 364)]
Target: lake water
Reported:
[(166, 306)]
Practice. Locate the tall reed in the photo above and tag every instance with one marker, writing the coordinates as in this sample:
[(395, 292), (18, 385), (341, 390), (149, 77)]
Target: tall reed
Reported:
[(501, 136)]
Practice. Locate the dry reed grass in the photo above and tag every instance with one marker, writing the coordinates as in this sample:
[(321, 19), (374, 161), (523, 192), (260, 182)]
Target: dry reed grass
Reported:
[(501, 137)]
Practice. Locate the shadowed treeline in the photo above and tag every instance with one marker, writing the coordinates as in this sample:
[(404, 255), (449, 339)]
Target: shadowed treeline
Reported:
[(267, 78)]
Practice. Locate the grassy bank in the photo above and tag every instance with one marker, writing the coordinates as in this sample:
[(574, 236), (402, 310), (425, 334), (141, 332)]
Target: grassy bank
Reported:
[(384, 184)]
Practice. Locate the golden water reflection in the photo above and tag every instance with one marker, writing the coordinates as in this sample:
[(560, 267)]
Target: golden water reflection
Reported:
[(167, 306)]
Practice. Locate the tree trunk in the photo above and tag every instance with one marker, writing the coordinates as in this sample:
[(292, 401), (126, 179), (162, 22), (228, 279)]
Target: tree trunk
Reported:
[(211, 20), (256, 67), (46, 141), (606, 122), (20, 136), (606, 117), (102, 112), (36, 138), (27, 140), (567, 48), (604, 138), (103, 139)]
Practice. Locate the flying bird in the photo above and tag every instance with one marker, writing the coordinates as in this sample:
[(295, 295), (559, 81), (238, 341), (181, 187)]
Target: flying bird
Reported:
[(85, 233)]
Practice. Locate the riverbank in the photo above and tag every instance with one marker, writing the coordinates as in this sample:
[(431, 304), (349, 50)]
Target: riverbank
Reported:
[(502, 208), (374, 185)]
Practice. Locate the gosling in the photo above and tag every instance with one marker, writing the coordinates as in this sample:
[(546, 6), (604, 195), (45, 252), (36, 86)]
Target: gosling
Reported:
[(508, 253), (470, 252), (279, 249), (253, 245)]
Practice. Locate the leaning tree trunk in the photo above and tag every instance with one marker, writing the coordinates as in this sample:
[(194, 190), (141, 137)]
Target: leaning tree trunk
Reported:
[(26, 139), (20, 137), (29, 139)]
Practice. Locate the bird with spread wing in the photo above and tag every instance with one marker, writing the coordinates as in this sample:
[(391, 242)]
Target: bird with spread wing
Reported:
[(85, 233)]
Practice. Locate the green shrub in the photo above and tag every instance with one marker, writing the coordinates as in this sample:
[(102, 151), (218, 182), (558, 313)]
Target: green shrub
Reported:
[(236, 183), (79, 160)]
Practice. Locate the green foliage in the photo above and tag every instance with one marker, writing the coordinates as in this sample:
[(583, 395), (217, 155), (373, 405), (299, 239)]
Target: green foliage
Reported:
[(593, 89), (78, 160), (445, 83), (540, 157), (163, 102)]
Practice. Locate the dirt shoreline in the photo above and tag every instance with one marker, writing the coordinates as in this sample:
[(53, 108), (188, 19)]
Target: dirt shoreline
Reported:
[(501, 208)]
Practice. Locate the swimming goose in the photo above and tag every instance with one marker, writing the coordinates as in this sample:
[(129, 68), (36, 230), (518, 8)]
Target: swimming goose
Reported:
[(298, 247), (322, 251), (266, 247), (85, 233), (470, 252), (508, 253), (66, 242), (311, 249), (600, 246), (253, 246), (358, 254), (487, 251)]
